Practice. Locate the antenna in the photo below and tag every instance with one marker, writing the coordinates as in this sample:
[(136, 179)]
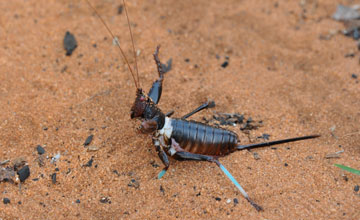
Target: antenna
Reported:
[(137, 83)]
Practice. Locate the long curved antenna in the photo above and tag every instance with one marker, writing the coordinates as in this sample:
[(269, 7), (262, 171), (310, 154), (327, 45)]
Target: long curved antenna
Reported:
[(133, 45), (117, 43)]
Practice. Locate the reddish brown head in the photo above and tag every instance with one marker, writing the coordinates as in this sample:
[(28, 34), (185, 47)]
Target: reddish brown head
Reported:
[(138, 108)]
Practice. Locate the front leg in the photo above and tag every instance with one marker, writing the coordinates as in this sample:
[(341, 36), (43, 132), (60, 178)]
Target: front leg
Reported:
[(163, 157)]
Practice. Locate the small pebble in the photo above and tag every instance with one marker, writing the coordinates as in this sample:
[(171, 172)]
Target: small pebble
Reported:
[(6, 200), (228, 201), (105, 200), (89, 163), (225, 64), (93, 148), (53, 178), (24, 173), (40, 150), (354, 76), (217, 199), (236, 201), (70, 43), (286, 164), (88, 140), (356, 188), (77, 201)]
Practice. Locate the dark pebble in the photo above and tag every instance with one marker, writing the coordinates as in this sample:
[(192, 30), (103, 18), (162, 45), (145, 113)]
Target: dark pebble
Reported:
[(162, 189), (56, 169), (53, 178), (88, 140), (236, 201), (24, 173), (35, 179), (89, 163), (286, 164), (105, 200), (120, 9), (40, 150), (217, 199), (77, 201), (6, 200), (187, 60), (45, 128), (225, 64), (19, 202), (69, 43), (354, 76), (199, 194), (356, 188)]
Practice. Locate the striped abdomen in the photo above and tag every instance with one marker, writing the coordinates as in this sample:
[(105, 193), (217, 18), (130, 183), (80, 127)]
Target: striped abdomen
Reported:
[(199, 138)]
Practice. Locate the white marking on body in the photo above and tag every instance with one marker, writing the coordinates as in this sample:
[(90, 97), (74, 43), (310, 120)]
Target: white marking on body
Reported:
[(172, 151), (167, 129)]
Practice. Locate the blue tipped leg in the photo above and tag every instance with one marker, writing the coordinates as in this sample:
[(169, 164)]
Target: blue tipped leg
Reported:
[(161, 174), (228, 174)]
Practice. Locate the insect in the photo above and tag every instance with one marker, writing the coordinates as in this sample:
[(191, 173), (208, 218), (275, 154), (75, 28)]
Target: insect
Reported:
[(180, 138)]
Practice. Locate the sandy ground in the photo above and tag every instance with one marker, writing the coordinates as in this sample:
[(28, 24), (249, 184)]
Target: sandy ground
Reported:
[(287, 67)]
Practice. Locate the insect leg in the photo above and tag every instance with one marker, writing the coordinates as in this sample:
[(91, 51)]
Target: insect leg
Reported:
[(184, 155), (156, 89), (163, 157), (208, 104)]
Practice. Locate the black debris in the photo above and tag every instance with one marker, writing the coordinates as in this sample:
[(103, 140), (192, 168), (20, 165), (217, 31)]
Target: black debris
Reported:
[(162, 190), (19, 202), (88, 140), (187, 60), (89, 163), (24, 173), (45, 128), (70, 43), (105, 200), (351, 55), (225, 64), (6, 200), (356, 188), (53, 178), (77, 201), (264, 136), (35, 179), (134, 183), (217, 199), (198, 194), (120, 9), (256, 156), (236, 201), (57, 169), (6, 174), (116, 172), (40, 149), (167, 67), (286, 164), (155, 165), (354, 76)]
